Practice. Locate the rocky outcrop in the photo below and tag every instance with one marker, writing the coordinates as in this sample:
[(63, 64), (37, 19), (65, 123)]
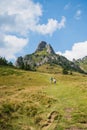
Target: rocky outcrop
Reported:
[(43, 46), (50, 49)]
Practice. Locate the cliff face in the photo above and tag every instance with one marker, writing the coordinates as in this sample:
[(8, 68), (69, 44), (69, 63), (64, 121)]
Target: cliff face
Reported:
[(45, 54)]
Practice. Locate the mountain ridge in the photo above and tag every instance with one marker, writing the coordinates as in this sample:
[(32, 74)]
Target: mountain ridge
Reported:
[(45, 54), (82, 62)]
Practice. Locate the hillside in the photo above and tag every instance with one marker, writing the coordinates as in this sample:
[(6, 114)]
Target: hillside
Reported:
[(28, 101), (45, 54), (51, 69), (82, 63)]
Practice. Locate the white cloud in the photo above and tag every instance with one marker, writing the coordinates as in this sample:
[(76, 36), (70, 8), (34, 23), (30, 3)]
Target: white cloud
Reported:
[(78, 14), (62, 23), (19, 17), (11, 45), (51, 26), (79, 50), (22, 16)]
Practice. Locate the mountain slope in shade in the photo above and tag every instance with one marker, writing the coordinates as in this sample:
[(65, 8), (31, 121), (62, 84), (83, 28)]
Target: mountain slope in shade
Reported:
[(45, 54)]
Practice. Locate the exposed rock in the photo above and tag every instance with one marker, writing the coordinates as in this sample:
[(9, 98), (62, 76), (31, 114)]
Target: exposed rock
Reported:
[(44, 46), (50, 49), (41, 46)]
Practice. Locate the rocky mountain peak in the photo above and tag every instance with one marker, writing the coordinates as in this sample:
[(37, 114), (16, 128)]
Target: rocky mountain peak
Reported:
[(43, 45), (45, 54), (50, 49)]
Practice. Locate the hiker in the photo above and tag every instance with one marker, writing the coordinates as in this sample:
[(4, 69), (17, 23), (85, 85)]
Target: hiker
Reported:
[(54, 81), (51, 79)]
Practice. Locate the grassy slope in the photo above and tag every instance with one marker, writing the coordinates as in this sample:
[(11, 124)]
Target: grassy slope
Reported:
[(47, 68), (28, 101), (84, 66), (82, 63)]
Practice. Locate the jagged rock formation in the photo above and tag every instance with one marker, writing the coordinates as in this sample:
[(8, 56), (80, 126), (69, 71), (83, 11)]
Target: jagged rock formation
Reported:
[(45, 54), (44, 46)]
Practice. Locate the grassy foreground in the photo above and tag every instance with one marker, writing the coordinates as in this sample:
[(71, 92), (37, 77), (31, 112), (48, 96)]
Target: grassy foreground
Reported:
[(28, 101)]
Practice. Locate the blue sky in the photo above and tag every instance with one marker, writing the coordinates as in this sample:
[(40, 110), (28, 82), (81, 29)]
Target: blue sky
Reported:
[(24, 23)]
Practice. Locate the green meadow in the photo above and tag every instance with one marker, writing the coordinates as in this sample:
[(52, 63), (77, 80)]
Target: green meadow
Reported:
[(29, 101)]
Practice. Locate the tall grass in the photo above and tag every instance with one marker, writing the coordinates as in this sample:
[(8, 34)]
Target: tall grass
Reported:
[(28, 101)]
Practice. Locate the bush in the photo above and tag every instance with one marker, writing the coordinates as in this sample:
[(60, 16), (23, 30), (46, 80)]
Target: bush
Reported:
[(65, 71)]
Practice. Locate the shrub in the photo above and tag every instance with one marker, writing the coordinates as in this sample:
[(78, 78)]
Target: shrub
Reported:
[(65, 71)]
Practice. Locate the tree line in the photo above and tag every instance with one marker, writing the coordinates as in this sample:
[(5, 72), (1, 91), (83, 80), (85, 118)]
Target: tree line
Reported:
[(4, 62)]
